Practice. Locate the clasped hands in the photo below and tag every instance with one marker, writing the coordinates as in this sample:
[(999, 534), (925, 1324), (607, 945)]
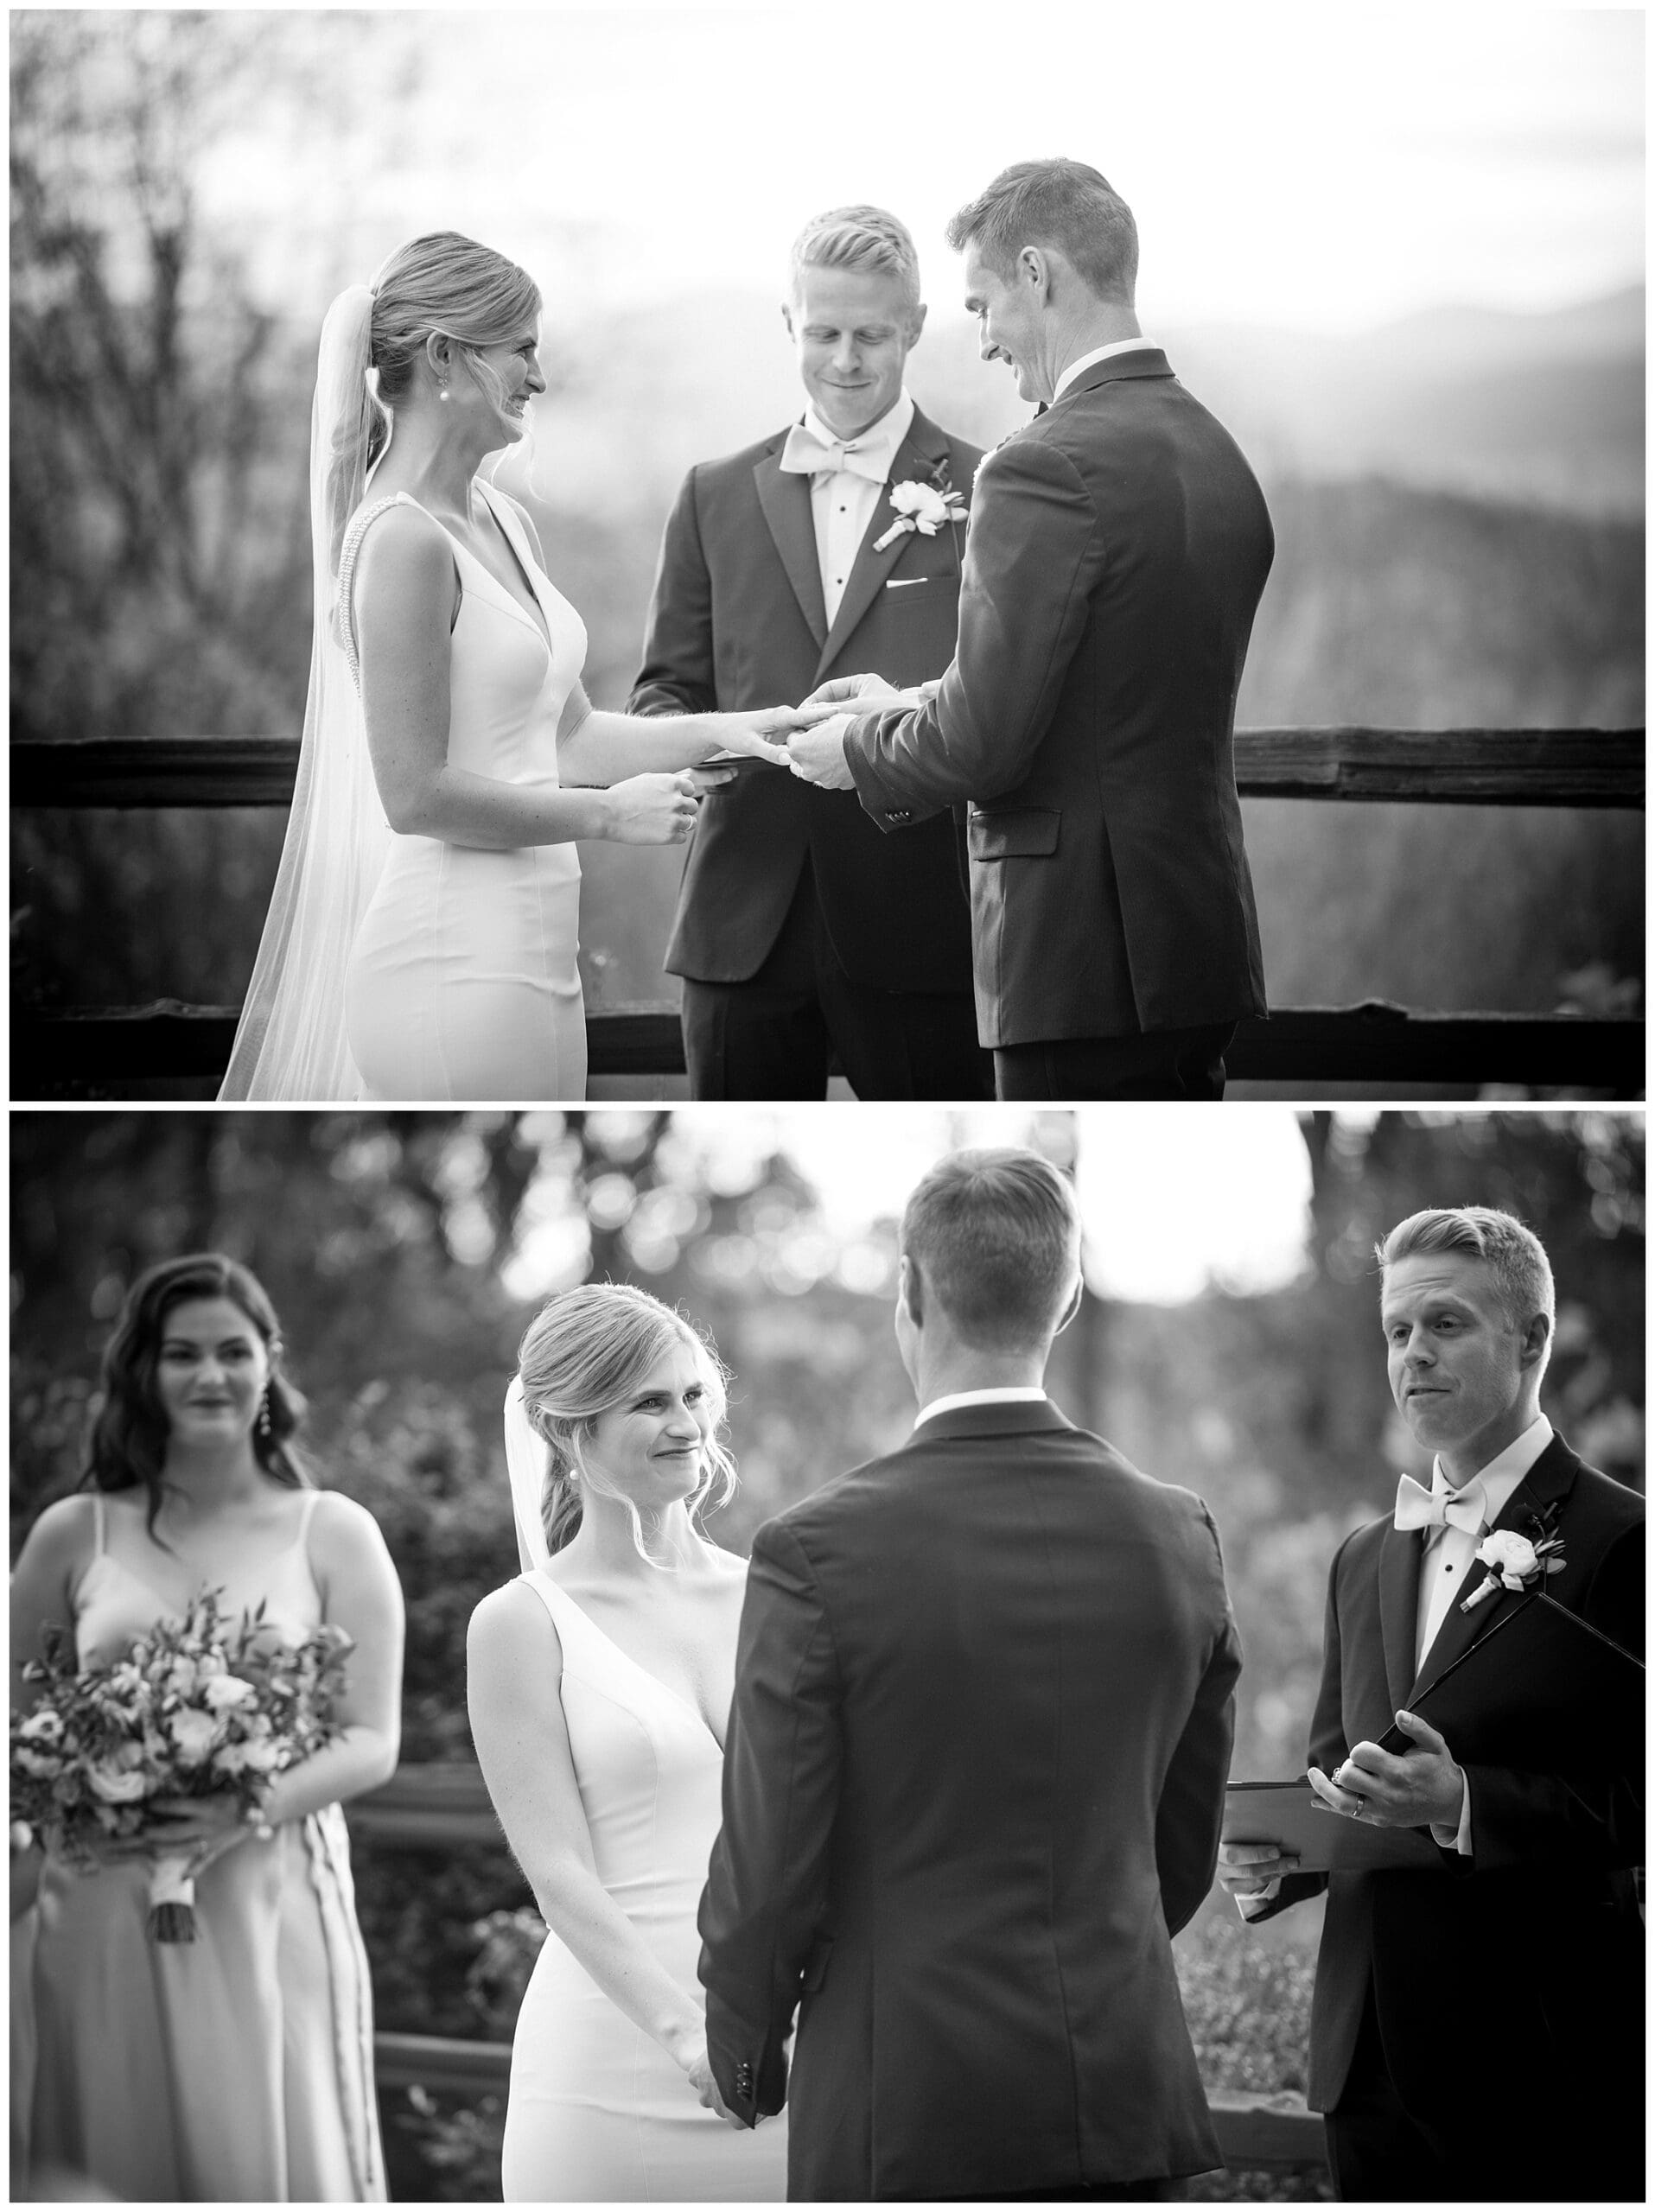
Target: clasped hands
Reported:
[(816, 754), (814, 730)]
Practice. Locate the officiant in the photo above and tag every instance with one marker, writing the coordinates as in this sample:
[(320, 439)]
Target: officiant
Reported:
[(1477, 2027)]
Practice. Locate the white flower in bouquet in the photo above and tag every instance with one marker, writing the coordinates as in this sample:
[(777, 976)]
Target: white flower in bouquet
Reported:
[(43, 1727), (118, 1785), (225, 1692), (41, 1764), (196, 1734)]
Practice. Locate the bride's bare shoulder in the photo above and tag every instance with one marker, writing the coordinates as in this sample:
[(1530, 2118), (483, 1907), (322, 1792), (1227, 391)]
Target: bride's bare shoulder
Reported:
[(509, 1623)]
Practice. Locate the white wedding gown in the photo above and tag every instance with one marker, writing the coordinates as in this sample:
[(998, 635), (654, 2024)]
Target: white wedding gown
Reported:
[(597, 2112), (462, 982)]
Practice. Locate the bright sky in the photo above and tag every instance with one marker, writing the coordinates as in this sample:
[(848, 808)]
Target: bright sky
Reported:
[(1295, 165)]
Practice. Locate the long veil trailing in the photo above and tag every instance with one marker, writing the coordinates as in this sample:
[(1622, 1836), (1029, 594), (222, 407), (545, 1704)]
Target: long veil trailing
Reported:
[(291, 1042), (526, 1462)]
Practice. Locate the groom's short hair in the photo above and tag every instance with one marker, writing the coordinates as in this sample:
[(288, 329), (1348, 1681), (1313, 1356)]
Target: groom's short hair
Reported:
[(861, 237), (994, 1238), (1515, 1257), (1057, 203)]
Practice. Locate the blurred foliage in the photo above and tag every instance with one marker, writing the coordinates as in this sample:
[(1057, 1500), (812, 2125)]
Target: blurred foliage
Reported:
[(160, 579), (405, 1253)]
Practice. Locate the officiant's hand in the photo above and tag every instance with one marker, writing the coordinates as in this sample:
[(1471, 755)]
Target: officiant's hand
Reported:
[(817, 755), (1253, 1869), (1421, 1788)]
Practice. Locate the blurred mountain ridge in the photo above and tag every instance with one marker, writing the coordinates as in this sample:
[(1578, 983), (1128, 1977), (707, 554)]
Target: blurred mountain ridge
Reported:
[(1528, 408)]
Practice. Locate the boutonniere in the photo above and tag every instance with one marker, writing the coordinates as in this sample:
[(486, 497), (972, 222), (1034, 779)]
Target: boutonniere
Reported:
[(924, 506), (1515, 1563)]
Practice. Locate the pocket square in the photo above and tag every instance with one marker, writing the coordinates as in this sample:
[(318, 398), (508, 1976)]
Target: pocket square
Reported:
[(902, 583)]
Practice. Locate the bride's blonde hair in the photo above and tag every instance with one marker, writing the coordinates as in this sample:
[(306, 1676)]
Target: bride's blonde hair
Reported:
[(584, 1351), (442, 284)]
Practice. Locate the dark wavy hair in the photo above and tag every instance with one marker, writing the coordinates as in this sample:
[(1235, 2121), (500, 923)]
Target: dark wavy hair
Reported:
[(129, 1436)]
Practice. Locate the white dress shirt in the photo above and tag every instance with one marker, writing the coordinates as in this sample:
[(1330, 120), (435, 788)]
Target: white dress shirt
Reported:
[(1009, 1394), (841, 505), (1085, 361), (1448, 1557)]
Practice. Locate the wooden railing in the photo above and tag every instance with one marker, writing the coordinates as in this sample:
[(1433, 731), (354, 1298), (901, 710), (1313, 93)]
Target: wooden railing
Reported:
[(447, 1809), (1373, 1043)]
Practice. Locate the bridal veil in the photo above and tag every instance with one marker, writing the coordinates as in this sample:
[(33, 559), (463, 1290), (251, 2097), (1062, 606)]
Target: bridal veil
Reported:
[(291, 1043)]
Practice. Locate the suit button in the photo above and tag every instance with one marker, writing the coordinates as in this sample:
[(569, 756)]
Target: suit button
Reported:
[(900, 813)]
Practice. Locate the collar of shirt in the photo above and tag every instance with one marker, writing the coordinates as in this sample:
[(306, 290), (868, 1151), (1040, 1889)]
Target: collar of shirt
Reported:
[(1010, 1394), (880, 439), (1099, 353), (1500, 1477)]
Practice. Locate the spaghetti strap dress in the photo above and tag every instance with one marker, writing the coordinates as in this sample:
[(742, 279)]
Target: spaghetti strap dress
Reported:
[(235, 2068)]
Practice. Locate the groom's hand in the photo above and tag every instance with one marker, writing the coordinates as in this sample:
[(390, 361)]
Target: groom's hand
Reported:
[(870, 691), (1423, 1789), (817, 755)]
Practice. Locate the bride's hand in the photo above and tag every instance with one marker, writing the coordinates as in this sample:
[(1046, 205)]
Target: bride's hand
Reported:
[(658, 809), (698, 2066), (756, 734)]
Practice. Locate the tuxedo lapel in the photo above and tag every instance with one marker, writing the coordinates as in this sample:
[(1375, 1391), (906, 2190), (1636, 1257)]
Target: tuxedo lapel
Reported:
[(785, 500), (1400, 1557), (918, 453), (1551, 1477)]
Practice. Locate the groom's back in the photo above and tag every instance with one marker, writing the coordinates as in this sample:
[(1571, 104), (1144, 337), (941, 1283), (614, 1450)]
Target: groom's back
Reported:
[(1035, 1660)]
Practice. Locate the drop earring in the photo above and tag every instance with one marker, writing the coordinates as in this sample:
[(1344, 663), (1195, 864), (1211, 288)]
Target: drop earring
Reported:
[(264, 1415)]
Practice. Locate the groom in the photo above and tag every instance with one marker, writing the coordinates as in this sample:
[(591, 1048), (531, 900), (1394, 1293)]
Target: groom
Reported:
[(982, 1715), (801, 931), (1118, 549)]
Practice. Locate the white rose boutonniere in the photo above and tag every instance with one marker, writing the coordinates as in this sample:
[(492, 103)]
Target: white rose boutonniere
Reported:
[(1513, 1563), (924, 507)]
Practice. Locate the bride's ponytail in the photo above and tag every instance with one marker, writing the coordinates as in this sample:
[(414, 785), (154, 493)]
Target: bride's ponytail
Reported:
[(353, 408)]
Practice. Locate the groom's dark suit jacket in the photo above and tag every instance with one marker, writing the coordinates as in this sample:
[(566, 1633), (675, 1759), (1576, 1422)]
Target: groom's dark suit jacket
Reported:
[(738, 620), (1118, 549), (1511, 1982), (983, 1715)]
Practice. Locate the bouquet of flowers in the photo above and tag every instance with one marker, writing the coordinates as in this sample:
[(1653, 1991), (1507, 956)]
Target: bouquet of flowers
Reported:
[(200, 1706)]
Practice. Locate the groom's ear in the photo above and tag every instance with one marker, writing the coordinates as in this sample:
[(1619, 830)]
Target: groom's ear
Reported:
[(788, 316), (907, 1288), (1073, 1308)]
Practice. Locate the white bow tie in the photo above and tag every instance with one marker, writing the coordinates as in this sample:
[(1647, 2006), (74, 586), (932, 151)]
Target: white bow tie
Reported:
[(805, 454), (1418, 1507)]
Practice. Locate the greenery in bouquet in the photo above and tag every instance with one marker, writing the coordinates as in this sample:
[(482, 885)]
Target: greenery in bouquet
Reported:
[(202, 1706)]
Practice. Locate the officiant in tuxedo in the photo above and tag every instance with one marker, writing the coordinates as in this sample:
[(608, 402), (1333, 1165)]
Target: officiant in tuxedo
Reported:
[(1477, 2032), (984, 1693), (1118, 547), (801, 929)]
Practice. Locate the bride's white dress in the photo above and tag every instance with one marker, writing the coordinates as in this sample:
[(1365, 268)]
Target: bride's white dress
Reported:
[(597, 2110), (462, 982)]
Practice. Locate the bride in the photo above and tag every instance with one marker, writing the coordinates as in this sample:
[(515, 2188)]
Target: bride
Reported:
[(421, 937), (599, 1684)]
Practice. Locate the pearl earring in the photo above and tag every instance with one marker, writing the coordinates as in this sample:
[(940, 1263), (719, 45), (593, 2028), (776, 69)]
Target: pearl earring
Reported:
[(443, 391), (264, 1415)]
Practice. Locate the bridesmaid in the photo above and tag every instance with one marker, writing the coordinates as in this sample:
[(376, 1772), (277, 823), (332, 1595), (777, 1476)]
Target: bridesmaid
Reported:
[(240, 2067)]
